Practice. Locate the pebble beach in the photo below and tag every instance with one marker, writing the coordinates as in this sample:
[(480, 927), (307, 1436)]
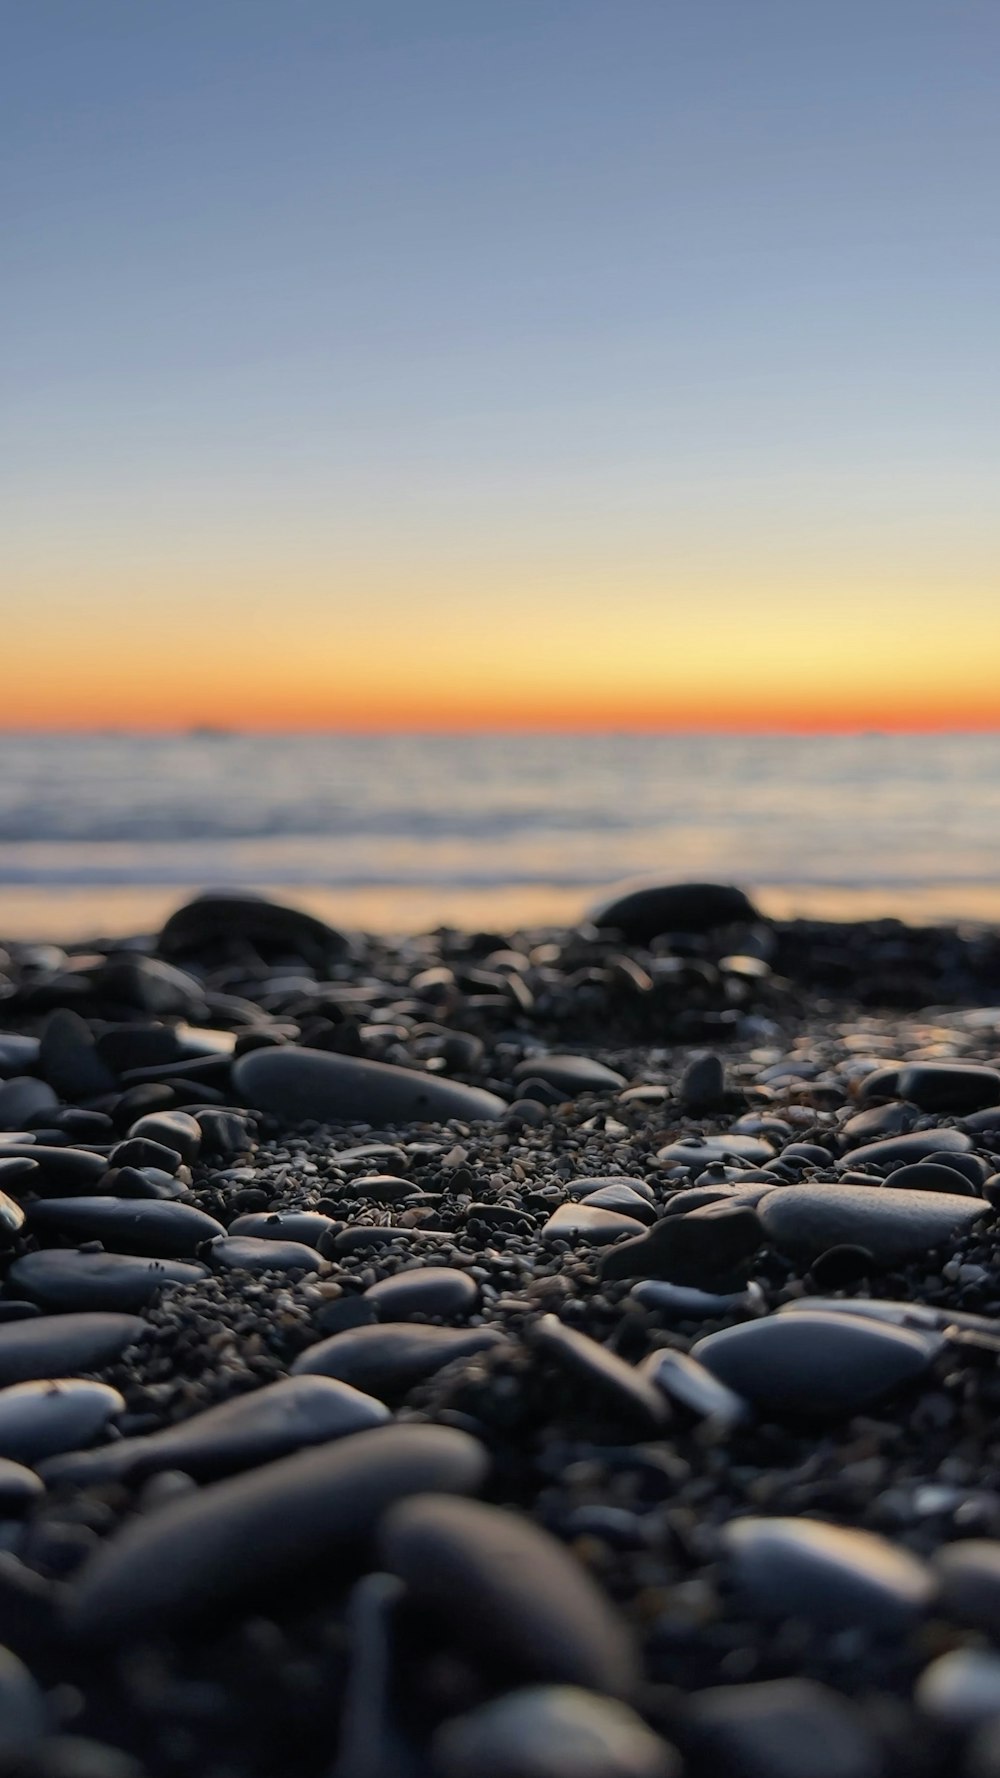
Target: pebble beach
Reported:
[(553, 1353)]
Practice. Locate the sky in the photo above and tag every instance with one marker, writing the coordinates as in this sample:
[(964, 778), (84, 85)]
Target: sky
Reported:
[(497, 363)]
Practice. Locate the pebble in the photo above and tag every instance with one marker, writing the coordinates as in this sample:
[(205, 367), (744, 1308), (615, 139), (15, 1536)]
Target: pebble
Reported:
[(298, 1084), (621, 1391), (307, 1226), (381, 1188), (734, 1147), (427, 1290), (302, 1517), (961, 1689), (691, 1384), (22, 1099), (69, 1059), (247, 1253), (585, 1188), (535, 1610), (211, 924), (681, 1302), (156, 1230), (69, 1169), (826, 1574), (11, 1216), (244, 1433), (24, 1713), (916, 1145), (39, 1419), (969, 1577), (551, 1731), (780, 1728), (816, 1364), (702, 1248), (894, 1226), (175, 1130), (588, 1222), (388, 1358), (930, 1176), (64, 1345), (950, 1087), (59, 1278), (644, 914), (571, 1075), (622, 1199), (703, 1084)]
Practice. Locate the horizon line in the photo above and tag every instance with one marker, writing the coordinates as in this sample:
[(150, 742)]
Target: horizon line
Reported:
[(226, 731)]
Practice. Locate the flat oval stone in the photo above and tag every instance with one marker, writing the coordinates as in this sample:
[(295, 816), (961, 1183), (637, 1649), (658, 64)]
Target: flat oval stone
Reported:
[(213, 922), (380, 1188), (814, 1364), (301, 1519), (622, 1199), (245, 1253), (512, 1595), (551, 1731), (682, 1379), (24, 1098), (954, 1087), (917, 1145), (20, 1487), (585, 1188), (298, 1084), (702, 1248), (429, 1290), (826, 1574), (780, 1728), (587, 1222), (615, 1387), (58, 1278), (155, 1229), (176, 1130), (646, 913), (70, 1169), (894, 1225), (734, 1147), (877, 1122), (961, 1689), (570, 1074), (272, 1422), (388, 1358), (24, 1712), (64, 1345), (39, 1419), (307, 1226), (930, 1176), (682, 1302)]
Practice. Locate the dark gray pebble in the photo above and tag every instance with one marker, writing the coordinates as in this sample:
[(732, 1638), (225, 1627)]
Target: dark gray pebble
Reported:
[(11, 1218), (644, 914), (40, 1419), (570, 1074), (59, 1278), (64, 1345), (425, 1290), (733, 1147), (307, 1226), (623, 1199), (304, 1518), (173, 1129), (683, 1380), (779, 1728), (816, 1364), (893, 1224), (67, 1169), (389, 1358), (269, 1423), (615, 1388), (704, 1248), (20, 1487), (930, 1176), (918, 1145), (586, 1222), (24, 1712), (296, 1084), (130, 1225), (24, 1098), (826, 1574), (551, 1731), (681, 1302), (585, 1188), (535, 1610), (950, 1087), (247, 1253), (969, 1578)]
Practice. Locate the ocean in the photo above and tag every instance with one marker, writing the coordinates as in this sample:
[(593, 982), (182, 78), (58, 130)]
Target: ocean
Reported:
[(101, 834)]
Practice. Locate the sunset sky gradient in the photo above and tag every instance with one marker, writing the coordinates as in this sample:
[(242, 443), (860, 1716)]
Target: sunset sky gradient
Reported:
[(545, 363)]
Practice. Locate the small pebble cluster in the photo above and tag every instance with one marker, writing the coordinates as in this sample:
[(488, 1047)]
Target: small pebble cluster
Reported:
[(504, 1355)]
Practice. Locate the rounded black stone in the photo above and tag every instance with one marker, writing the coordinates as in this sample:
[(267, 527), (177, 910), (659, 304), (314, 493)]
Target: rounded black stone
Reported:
[(702, 1248), (298, 1084), (213, 923), (64, 1345), (388, 1358), (59, 1278), (306, 1226), (247, 1253), (39, 1419), (128, 1225), (427, 1290), (814, 1364), (643, 914)]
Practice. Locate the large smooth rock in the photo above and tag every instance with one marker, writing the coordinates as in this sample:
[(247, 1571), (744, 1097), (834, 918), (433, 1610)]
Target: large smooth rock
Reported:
[(231, 919), (24, 1098), (424, 1290), (60, 1279), (826, 1574), (570, 1075), (147, 1226), (590, 1223), (551, 1731), (619, 1391), (780, 1728), (249, 1253), (914, 1145), (41, 1418), (643, 914), (307, 1226), (698, 1154), (954, 1087), (509, 1593), (816, 1364), (295, 1084), (64, 1345), (241, 1434), (389, 1358), (705, 1248), (894, 1225), (303, 1519)]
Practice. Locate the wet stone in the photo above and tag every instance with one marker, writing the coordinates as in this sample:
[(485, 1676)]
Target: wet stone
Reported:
[(826, 1574), (68, 1059), (814, 1364), (290, 1415), (61, 1169), (11, 1217), (62, 1279), (306, 1518), (552, 1732), (389, 1358), (428, 1290), (64, 1345), (616, 1389), (298, 1084), (537, 1615), (129, 1225), (893, 1224), (39, 1419), (381, 1188)]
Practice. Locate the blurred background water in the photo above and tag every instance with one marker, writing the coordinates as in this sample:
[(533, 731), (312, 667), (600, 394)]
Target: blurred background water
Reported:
[(105, 833)]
